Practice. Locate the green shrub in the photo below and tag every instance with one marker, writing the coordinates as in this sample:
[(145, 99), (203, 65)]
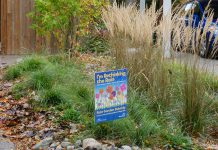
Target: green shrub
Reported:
[(52, 97), (28, 64), (83, 92), (71, 115), (41, 79), (56, 59), (12, 73), (122, 131), (19, 90), (31, 64), (94, 43), (176, 139)]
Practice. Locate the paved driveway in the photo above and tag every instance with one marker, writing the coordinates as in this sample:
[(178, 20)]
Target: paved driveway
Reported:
[(209, 65)]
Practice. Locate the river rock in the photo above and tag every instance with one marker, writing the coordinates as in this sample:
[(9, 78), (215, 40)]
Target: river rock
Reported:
[(78, 144), (91, 143), (135, 148), (65, 144), (5, 144), (70, 147), (7, 85), (126, 147), (43, 144), (54, 145), (59, 147), (26, 106), (79, 148)]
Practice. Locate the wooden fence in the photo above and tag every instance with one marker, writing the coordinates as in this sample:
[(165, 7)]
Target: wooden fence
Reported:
[(16, 35)]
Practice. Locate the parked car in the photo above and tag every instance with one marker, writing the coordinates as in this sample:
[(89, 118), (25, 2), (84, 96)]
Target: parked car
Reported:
[(199, 10)]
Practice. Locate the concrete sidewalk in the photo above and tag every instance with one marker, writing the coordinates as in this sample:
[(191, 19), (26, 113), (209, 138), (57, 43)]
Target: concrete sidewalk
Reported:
[(6, 60)]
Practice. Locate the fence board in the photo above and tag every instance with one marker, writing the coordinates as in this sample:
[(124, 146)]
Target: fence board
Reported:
[(16, 35)]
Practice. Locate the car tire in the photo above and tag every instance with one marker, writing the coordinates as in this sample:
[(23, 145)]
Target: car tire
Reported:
[(204, 50)]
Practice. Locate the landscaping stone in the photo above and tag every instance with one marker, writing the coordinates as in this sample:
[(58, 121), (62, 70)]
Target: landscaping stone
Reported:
[(26, 106), (6, 144), (59, 147), (54, 145), (91, 143), (65, 144), (105, 147), (70, 147), (126, 147), (6, 85), (79, 148), (9, 97), (66, 140), (112, 147), (78, 144), (135, 148), (43, 144), (28, 134), (73, 128)]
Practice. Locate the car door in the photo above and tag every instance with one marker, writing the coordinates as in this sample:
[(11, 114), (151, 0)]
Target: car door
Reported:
[(192, 13)]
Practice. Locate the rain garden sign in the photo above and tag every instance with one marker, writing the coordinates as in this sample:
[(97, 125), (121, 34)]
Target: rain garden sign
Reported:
[(110, 95)]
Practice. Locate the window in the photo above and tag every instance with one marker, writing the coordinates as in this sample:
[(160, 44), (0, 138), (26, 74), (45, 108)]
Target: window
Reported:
[(192, 8)]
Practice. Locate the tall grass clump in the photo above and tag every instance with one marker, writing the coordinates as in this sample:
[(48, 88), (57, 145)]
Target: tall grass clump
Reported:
[(42, 79), (193, 94), (32, 63), (136, 43), (188, 36)]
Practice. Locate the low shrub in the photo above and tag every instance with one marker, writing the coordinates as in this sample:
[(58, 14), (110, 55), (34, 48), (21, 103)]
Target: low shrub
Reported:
[(122, 131), (71, 115), (12, 73), (19, 90), (42, 79), (94, 43), (52, 97), (32, 63), (83, 92), (56, 59)]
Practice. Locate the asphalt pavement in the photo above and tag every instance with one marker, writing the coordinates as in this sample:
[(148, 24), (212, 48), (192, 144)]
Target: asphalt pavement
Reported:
[(205, 65)]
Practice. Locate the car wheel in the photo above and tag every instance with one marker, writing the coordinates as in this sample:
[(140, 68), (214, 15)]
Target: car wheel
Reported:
[(203, 51)]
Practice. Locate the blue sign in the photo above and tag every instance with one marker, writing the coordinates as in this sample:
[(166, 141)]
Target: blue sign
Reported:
[(110, 95)]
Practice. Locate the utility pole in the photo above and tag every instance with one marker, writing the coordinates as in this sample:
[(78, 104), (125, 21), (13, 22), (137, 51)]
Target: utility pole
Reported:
[(142, 6), (167, 6)]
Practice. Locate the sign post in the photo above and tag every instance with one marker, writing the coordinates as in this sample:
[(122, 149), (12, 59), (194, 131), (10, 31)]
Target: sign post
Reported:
[(110, 95), (167, 6)]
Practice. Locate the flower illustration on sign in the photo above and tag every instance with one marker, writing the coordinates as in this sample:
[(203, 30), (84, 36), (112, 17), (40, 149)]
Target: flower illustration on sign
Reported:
[(114, 93), (101, 91), (123, 87), (109, 89), (111, 97), (97, 96)]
